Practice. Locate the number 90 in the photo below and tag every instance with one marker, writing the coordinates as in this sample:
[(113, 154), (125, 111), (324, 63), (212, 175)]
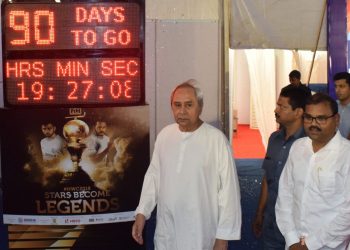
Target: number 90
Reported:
[(19, 21)]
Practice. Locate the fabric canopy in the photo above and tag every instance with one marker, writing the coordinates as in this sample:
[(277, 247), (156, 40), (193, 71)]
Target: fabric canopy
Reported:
[(277, 24)]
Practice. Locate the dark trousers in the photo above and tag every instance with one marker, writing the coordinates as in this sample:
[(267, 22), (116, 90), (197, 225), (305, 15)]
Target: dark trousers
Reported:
[(272, 237)]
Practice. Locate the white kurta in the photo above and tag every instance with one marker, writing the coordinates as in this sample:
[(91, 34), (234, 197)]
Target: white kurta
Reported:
[(314, 195), (193, 181), (52, 147)]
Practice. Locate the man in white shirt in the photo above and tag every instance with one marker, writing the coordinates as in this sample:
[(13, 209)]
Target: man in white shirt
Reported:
[(313, 204), (193, 181), (53, 145)]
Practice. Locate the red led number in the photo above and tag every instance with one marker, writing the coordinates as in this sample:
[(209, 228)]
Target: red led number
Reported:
[(72, 95), (20, 22), (116, 89), (42, 14), (87, 88), (22, 96), (78, 90), (37, 89), (74, 85)]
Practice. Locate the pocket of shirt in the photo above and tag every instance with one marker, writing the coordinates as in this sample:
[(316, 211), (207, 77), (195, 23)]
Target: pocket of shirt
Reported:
[(327, 182)]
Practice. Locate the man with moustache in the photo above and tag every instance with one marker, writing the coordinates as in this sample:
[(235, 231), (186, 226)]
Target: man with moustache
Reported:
[(53, 145), (289, 114), (193, 181), (342, 90), (313, 204)]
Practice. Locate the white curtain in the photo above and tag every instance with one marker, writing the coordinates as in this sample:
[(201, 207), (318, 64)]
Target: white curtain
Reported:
[(263, 89), (319, 71), (258, 76)]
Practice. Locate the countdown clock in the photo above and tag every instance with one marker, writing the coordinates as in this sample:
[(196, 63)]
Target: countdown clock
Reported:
[(73, 53)]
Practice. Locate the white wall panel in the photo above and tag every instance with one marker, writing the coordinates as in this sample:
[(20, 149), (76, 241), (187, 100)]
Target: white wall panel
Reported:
[(182, 9), (184, 50)]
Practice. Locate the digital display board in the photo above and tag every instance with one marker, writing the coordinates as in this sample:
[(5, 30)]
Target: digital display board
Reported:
[(73, 53)]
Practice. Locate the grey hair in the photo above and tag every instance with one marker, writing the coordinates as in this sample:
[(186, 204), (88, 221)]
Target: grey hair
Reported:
[(191, 83)]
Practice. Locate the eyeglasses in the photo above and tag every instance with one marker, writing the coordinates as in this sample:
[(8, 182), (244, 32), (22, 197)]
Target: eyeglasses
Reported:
[(319, 119)]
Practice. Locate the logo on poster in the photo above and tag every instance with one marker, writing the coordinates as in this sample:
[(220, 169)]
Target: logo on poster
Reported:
[(75, 111)]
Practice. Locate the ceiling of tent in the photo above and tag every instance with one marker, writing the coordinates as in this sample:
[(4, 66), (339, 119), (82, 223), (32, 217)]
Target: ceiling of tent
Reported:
[(277, 24)]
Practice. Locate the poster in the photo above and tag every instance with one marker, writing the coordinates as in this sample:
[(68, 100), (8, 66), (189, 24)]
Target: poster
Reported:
[(73, 166)]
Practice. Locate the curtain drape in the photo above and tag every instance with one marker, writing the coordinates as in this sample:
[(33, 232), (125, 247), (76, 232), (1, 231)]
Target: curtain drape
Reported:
[(262, 73), (263, 89)]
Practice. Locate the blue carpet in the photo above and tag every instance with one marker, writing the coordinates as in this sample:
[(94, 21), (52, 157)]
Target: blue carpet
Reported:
[(250, 176)]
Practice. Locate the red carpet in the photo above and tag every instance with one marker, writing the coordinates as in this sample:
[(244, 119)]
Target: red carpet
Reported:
[(247, 143)]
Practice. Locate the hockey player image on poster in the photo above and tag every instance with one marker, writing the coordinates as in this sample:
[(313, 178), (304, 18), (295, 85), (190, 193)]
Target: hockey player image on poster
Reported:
[(73, 166)]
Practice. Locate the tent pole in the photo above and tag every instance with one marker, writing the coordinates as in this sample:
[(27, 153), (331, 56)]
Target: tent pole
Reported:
[(318, 39)]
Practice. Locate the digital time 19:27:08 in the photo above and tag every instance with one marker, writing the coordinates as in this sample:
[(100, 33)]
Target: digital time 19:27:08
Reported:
[(73, 80)]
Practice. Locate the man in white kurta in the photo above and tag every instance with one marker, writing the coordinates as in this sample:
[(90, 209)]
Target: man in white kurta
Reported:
[(193, 181), (314, 189)]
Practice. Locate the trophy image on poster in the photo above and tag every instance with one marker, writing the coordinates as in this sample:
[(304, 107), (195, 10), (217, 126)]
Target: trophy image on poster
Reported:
[(75, 131)]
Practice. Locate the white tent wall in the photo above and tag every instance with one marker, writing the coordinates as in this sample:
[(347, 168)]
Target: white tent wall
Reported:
[(288, 24), (183, 41), (182, 50), (183, 9)]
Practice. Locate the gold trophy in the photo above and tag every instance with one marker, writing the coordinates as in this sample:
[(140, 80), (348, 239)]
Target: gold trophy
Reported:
[(75, 131)]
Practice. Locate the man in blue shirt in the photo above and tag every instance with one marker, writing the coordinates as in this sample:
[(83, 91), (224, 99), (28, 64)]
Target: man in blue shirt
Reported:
[(289, 114), (342, 90)]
